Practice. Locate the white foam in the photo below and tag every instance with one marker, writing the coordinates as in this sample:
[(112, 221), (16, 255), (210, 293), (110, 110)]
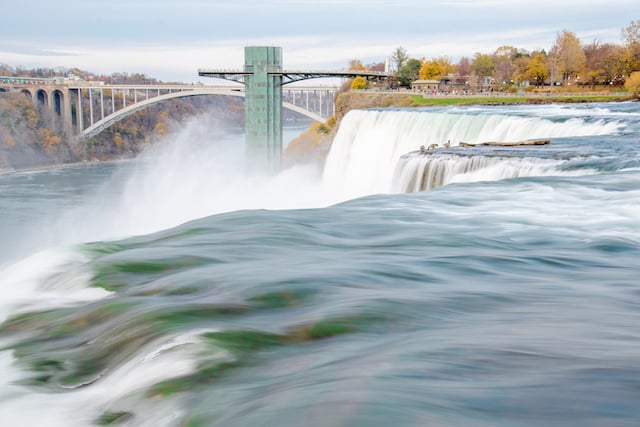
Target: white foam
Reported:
[(369, 143), (167, 358)]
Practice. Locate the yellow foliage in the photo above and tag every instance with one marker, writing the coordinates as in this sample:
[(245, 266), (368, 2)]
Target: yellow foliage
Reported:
[(632, 84), (49, 139), (359, 83), (160, 129), (32, 118), (117, 140), (9, 141), (431, 70), (356, 65)]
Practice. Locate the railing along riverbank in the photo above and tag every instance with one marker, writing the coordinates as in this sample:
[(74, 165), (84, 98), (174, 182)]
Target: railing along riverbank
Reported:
[(495, 94)]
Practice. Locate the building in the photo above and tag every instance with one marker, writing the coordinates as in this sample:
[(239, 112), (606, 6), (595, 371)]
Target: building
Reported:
[(425, 86)]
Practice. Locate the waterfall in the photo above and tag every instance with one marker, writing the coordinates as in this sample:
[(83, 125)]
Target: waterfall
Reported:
[(419, 173), (366, 156)]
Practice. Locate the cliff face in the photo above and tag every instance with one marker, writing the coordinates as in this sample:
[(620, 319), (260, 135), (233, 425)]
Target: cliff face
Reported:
[(128, 138), (25, 138), (348, 101)]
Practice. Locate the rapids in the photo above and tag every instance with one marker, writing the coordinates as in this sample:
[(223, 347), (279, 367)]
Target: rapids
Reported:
[(482, 286)]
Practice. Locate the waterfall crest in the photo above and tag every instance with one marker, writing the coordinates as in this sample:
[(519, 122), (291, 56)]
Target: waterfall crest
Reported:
[(366, 156)]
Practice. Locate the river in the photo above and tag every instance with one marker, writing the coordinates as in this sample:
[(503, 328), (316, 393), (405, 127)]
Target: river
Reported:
[(465, 286)]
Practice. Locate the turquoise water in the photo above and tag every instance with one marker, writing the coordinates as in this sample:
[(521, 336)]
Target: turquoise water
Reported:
[(177, 290)]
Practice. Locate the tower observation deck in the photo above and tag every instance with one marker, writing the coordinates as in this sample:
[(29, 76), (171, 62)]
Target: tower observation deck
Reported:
[(263, 78)]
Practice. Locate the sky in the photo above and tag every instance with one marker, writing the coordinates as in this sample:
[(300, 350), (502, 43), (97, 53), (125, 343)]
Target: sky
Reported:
[(171, 40)]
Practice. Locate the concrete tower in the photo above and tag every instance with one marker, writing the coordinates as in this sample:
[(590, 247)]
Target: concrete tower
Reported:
[(263, 106)]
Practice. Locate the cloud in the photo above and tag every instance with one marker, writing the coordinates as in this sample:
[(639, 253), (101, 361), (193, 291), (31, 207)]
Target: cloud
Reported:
[(170, 40)]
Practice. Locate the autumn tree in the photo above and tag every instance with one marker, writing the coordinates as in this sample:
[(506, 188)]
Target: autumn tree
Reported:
[(482, 66), (356, 65), (503, 59), (567, 56), (520, 64), (605, 63), (399, 57), (376, 66), (431, 70), (117, 140), (359, 83), (631, 41), (446, 65), (632, 84), (464, 66), (536, 70)]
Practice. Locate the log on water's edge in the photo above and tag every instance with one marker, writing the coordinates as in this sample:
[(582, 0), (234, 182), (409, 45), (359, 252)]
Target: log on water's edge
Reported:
[(506, 144)]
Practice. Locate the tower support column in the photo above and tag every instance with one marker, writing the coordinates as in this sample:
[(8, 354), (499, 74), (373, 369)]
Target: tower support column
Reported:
[(263, 107)]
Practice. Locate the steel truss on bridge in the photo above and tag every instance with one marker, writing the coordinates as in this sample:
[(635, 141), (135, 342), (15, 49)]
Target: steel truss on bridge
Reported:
[(291, 76)]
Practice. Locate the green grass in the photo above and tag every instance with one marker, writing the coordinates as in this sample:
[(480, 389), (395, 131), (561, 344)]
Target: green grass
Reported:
[(420, 101)]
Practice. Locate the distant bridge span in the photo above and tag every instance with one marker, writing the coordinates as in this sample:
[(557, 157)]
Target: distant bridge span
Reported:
[(86, 109), (115, 117)]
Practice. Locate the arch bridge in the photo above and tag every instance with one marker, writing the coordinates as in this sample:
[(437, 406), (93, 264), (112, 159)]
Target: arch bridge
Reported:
[(85, 109)]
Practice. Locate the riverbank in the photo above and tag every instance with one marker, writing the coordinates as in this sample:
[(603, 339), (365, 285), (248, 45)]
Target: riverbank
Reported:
[(384, 99), (507, 99), (9, 171)]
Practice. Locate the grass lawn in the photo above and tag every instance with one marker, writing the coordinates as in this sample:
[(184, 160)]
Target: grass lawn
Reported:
[(419, 100)]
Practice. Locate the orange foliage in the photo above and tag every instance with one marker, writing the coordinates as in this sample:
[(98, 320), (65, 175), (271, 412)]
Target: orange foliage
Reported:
[(160, 129), (9, 141)]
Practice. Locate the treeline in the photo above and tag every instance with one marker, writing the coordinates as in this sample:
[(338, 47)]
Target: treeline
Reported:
[(47, 73), (568, 62)]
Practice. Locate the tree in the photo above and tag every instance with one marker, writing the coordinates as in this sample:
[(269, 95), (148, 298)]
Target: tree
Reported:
[(359, 83), (378, 66), (631, 40), (631, 33), (464, 66), (431, 70), (356, 65), (567, 56), (409, 72), (503, 58), (605, 63), (399, 57), (632, 84), (446, 65), (536, 70), (117, 140), (520, 64), (482, 66)]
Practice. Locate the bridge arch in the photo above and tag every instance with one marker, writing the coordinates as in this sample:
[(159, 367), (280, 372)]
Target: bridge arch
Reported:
[(58, 102), (27, 93), (123, 113), (42, 98)]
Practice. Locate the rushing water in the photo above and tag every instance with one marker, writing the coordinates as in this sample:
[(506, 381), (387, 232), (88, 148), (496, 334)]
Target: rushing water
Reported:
[(179, 290)]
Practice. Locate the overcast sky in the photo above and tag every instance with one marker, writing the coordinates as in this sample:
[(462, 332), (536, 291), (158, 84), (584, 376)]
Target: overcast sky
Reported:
[(170, 40)]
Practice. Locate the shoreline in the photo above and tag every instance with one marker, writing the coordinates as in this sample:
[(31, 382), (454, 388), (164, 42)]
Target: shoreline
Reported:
[(4, 172)]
